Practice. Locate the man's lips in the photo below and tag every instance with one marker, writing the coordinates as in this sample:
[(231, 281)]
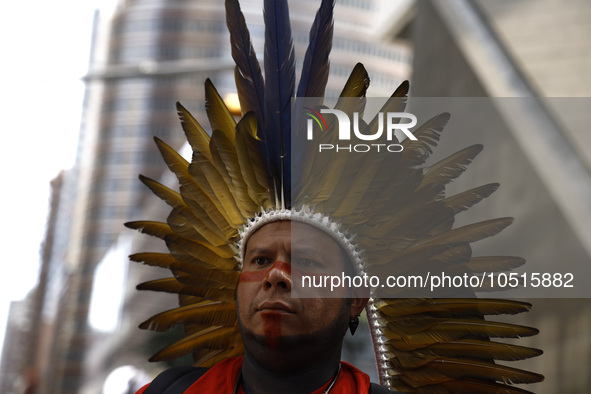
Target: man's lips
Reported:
[(276, 306)]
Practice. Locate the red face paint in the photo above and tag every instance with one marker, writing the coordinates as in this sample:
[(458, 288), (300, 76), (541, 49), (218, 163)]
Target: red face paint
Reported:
[(257, 276), (271, 319), (272, 328)]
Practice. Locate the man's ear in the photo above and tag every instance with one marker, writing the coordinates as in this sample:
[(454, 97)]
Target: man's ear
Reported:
[(357, 305)]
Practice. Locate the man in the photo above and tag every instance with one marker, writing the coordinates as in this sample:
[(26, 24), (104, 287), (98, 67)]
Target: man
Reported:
[(300, 335), (256, 213), (292, 345)]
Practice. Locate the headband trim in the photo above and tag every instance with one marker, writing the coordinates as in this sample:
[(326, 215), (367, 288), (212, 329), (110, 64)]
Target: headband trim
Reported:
[(304, 215)]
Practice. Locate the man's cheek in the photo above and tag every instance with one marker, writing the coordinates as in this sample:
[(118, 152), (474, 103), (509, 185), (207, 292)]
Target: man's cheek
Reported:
[(242, 304), (252, 276)]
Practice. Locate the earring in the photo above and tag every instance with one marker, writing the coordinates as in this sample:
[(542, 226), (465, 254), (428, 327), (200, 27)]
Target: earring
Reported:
[(353, 324)]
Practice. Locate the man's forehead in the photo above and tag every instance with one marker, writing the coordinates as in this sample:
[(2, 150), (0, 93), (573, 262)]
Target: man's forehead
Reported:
[(300, 235)]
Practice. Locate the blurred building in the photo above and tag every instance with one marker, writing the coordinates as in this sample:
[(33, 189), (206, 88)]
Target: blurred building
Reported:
[(140, 66), (46, 308), (15, 376), (534, 50), (147, 55)]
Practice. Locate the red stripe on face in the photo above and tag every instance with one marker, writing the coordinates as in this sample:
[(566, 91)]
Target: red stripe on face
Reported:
[(282, 266), (272, 328), (257, 276)]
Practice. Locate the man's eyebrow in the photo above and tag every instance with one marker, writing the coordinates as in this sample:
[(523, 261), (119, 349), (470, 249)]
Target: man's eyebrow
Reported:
[(305, 249), (258, 250)]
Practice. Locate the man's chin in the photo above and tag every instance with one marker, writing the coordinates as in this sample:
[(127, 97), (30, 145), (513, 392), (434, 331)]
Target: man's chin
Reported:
[(284, 339), (281, 341), (289, 351)]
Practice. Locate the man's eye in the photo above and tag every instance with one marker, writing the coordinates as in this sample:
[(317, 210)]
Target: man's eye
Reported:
[(308, 263), (260, 261)]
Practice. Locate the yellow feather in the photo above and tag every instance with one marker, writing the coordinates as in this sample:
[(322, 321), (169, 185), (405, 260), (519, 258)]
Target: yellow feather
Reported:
[(199, 276), (479, 349), (212, 195), (218, 114), (250, 162), (210, 181), (391, 308), (184, 250), (163, 260), (215, 336), (424, 331), (452, 166), (172, 285), (207, 312), (427, 136), (351, 97), (493, 263), (472, 232), (196, 230), (196, 216), (364, 182), (462, 201), (156, 229), (169, 196), (226, 161), (441, 370), (481, 387), (196, 135), (350, 100)]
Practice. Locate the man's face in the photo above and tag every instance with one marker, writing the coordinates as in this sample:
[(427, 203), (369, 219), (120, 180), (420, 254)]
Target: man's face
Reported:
[(265, 306)]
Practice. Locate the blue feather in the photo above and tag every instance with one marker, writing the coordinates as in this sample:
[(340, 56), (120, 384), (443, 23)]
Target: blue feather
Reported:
[(249, 79), (316, 64), (279, 90), (313, 79)]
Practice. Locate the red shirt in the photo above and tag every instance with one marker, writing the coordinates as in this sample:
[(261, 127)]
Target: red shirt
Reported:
[(223, 376)]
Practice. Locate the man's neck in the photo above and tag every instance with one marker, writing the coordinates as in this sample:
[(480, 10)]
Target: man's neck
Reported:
[(257, 378)]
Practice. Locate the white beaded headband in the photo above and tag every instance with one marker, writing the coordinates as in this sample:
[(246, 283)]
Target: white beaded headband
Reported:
[(307, 216)]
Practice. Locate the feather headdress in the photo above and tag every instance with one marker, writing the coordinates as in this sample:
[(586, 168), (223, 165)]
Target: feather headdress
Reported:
[(247, 173)]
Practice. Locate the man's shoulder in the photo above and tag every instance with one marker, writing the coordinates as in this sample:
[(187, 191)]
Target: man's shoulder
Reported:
[(185, 379), (175, 380), (178, 379)]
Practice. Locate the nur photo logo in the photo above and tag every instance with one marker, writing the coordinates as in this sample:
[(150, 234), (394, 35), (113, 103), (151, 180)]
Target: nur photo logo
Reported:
[(348, 130)]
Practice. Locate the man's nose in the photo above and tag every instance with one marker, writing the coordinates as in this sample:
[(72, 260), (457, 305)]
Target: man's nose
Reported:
[(279, 276)]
